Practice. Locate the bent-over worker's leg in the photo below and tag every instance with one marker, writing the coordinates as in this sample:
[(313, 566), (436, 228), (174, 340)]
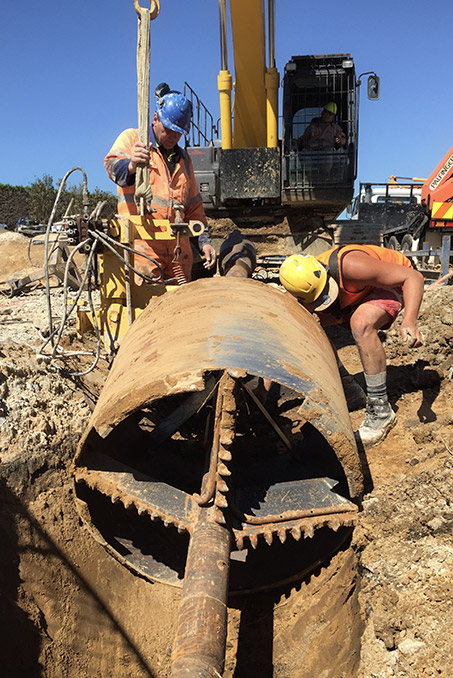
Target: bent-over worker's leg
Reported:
[(365, 322), (354, 394)]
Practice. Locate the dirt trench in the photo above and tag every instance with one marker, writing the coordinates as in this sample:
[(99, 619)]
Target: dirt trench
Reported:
[(78, 612), (379, 608)]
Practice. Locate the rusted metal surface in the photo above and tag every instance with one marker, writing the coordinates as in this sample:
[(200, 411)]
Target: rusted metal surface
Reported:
[(133, 490), (172, 444), (182, 344), (225, 323), (161, 502), (312, 494), (209, 483), (199, 644)]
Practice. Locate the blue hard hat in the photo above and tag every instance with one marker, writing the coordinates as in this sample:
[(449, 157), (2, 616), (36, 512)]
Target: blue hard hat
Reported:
[(174, 111)]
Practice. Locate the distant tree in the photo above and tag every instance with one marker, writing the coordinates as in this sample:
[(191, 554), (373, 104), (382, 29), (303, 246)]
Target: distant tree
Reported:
[(76, 194), (38, 198), (42, 197), (110, 208), (14, 203), (42, 194)]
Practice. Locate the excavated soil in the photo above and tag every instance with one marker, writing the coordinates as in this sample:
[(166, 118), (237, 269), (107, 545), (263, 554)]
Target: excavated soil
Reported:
[(380, 608)]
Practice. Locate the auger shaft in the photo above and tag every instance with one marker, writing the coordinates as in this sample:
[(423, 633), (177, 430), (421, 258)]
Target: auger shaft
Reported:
[(199, 645)]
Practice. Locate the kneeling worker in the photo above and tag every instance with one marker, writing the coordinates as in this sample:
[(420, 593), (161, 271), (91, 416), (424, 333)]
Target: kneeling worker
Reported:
[(361, 287)]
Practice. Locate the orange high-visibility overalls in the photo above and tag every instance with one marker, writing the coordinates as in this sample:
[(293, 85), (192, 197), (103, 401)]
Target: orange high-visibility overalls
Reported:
[(168, 188)]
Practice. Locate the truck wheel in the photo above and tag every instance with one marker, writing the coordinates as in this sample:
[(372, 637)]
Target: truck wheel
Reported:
[(393, 243), (408, 243)]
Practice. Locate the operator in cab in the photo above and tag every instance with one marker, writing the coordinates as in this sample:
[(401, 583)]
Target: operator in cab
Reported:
[(362, 288), (323, 134), (171, 182)]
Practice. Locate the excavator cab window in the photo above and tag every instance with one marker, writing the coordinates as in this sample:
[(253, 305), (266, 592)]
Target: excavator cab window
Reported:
[(303, 118), (316, 163)]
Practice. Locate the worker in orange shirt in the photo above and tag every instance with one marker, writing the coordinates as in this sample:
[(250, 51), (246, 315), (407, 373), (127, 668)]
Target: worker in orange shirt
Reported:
[(172, 185), (362, 287)]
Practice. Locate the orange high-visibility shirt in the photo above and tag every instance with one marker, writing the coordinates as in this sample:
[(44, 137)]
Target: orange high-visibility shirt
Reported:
[(351, 296)]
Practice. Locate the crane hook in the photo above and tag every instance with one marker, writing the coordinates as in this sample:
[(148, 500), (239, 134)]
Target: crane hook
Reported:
[(155, 8)]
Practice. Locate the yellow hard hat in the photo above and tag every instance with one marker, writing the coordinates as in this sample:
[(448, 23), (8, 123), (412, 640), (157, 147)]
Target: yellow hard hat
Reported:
[(304, 276), (331, 107)]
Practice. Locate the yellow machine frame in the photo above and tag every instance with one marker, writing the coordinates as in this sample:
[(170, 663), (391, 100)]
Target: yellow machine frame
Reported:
[(255, 86), (121, 299)]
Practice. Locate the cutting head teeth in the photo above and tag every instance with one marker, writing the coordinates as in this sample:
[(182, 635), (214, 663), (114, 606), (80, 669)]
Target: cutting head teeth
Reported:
[(222, 486), (282, 535), (296, 533), (221, 501), (254, 540), (309, 532), (268, 536)]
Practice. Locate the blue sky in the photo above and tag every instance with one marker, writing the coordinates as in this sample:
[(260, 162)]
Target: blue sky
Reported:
[(69, 82)]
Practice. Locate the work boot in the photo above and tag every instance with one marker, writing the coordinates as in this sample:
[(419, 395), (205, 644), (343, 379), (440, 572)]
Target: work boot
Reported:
[(354, 393), (379, 419)]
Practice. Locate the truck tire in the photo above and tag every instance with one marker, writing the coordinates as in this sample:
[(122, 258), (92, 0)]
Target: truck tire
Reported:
[(407, 242), (393, 244)]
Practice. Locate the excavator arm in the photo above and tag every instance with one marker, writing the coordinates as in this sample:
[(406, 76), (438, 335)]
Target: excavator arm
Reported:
[(255, 85)]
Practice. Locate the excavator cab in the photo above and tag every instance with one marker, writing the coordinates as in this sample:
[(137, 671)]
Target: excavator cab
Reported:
[(319, 175), (319, 181)]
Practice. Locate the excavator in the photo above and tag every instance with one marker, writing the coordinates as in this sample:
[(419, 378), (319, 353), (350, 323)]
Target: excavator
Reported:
[(283, 196), (183, 474)]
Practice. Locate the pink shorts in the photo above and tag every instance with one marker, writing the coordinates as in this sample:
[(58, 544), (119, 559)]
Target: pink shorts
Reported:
[(391, 301)]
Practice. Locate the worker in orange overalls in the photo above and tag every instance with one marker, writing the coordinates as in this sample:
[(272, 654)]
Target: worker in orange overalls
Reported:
[(362, 287), (171, 183)]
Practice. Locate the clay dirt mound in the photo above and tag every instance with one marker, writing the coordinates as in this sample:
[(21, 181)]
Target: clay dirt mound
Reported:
[(18, 255)]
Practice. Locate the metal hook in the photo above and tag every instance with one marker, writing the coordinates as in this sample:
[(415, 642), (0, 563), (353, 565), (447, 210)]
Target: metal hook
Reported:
[(155, 8)]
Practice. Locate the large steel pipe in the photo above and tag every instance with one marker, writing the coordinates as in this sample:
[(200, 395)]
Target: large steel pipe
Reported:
[(229, 324), (177, 389)]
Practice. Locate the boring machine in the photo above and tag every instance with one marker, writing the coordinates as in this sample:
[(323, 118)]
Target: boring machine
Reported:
[(187, 478)]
